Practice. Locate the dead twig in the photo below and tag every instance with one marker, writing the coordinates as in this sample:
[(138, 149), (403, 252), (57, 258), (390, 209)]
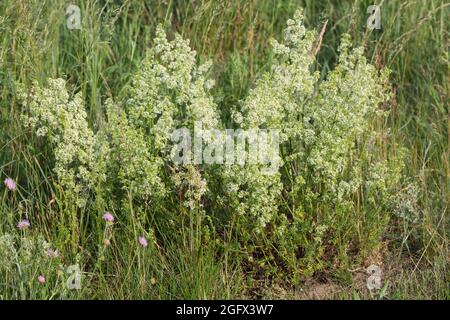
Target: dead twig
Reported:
[(320, 38)]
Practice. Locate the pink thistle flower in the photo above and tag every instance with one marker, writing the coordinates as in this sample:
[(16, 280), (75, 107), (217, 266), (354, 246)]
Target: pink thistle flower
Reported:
[(41, 279), (23, 224), (108, 217), (10, 184), (52, 253), (106, 242), (142, 241)]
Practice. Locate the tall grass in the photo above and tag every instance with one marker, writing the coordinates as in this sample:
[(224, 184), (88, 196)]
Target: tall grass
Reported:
[(99, 61)]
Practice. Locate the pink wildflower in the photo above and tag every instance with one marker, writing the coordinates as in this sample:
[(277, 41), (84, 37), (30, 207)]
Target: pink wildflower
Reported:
[(23, 224), (108, 217), (52, 253), (10, 184), (41, 279), (142, 241)]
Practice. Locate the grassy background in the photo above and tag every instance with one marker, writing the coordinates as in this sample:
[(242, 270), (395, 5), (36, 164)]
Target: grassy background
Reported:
[(99, 60)]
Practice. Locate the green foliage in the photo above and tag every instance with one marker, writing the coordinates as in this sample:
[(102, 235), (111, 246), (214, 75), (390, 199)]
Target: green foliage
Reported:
[(26, 257), (325, 127), (364, 150), (325, 131)]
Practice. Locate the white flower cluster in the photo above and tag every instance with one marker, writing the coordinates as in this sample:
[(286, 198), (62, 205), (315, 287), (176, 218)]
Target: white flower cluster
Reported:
[(193, 185), (275, 103), (168, 92), (324, 129), (320, 124), (52, 113), (406, 203), (131, 159)]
